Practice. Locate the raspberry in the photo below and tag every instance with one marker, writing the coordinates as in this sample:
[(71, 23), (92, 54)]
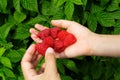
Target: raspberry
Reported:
[(69, 39), (58, 46), (44, 33), (62, 34), (41, 48), (54, 32), (49, 41)]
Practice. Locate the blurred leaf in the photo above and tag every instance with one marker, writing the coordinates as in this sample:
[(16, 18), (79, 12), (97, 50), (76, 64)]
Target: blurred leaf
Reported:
[(4, 30), (116, 14), (69, 9), (2, 75), (8, 72), (77, 2), (92, 22), (66, 78), (3, 5), (2, 50), (113, 6), (17, 6), (6, 62), (30, 5), (71, 65), (105, 19), (22, 32), (60, 2), (19, 16)]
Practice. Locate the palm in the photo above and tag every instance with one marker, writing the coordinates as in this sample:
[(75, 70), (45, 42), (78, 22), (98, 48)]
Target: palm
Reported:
[(82, 34)]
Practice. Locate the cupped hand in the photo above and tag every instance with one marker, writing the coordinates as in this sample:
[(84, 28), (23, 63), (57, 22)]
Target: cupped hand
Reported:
[(83, 35), (48, 70)]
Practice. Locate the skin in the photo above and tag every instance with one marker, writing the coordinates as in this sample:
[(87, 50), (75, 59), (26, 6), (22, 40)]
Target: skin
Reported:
[(87, 44), (29, 63)]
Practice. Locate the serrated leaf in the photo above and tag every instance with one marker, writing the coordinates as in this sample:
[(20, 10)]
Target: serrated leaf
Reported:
[(116, 30), (2, 76), (69, 9), (8, 72), (19, 16), (105, 19), (58, 15), (6, 62), (14, 56), (92, 22), (2, 50), (30, 5), (3, 4), (60, 2), (22, 32), (37, 19), (113, 6), (116, 14), (4, 30), (96, 8), (104, 2), (17, 6), (46, 8), (71, 65), (77, 2)]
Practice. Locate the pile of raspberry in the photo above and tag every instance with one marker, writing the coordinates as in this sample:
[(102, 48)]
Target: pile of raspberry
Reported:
[(56, 38)]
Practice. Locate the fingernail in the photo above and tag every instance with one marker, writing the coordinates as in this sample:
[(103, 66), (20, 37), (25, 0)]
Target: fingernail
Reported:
[(49, 51)]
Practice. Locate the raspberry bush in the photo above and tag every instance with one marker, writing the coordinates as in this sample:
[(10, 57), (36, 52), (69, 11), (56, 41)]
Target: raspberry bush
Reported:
[(18, 16)]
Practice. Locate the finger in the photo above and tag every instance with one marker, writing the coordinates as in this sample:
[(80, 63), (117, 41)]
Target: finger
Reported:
[(50, 62), (27, 67), (40, 27), (62, 23), (33, 31), (36, 38)]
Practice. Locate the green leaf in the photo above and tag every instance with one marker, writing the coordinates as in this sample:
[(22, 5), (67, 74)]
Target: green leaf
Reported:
[(105, 19), (2, 75), (116, 30), (37, 19), (4, 30), (3, 4), (17, 6), (117, 24), (22, 32), (116, 14), (92, 22), (69, 9), (60, 67), (60, 2), (30, 5), (96, 8), (77, 2), (8, 72), (66, 78), (84, 3), (104, 2), (71, 65), (19, 16), (46, 7), (2, 50), (6, 62), (113, 6), (14, 56)]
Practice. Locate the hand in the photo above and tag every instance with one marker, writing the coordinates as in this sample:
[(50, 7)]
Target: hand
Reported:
[(82, 34), (48, 70)]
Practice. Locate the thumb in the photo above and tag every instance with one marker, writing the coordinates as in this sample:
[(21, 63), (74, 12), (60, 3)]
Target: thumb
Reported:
[(50, 62)]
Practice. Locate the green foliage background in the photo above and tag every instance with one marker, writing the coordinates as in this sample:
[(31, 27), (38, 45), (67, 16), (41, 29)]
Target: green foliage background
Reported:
[(18, 16)]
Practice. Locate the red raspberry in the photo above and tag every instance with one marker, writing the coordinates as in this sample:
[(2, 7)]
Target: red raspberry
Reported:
[(44, 33), (69, 39), (62, 34), (49, 41), (58, 46), (54, 32), (41, 48)]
